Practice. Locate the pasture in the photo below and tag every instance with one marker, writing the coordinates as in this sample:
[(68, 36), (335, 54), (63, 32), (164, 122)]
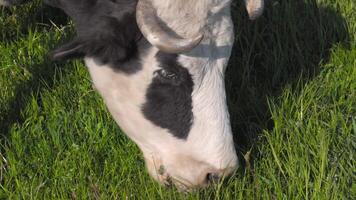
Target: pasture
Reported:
[(291, 87)]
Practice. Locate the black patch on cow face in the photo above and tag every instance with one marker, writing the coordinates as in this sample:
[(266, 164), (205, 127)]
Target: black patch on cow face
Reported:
[(106, 30), (169, 97)]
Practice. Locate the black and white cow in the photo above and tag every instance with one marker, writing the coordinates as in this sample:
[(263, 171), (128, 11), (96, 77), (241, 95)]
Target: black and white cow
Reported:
[(159, 65)]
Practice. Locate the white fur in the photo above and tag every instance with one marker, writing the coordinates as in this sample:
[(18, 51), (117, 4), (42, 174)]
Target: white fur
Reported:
[(209, 146)]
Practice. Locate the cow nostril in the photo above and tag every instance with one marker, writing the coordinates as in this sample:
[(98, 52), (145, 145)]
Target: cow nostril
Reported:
[(213, 177)]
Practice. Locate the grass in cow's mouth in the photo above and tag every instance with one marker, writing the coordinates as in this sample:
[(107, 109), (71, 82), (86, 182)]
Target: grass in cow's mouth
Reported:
[(291, 87)]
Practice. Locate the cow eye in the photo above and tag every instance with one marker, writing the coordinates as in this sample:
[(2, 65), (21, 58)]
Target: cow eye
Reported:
[(167, 76)]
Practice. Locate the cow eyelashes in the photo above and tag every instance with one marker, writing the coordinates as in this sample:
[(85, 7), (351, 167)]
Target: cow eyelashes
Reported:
[(167, 76)]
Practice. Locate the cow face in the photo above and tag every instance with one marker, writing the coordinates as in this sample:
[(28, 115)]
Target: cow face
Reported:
[(174, 108), (162, 79)]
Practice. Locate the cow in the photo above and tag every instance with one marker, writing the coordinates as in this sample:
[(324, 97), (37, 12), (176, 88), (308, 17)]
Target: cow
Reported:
[(159, 66)]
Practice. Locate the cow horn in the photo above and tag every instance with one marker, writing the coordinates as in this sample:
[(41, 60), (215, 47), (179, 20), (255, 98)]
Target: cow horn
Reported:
[(254, 8), (150, 27)]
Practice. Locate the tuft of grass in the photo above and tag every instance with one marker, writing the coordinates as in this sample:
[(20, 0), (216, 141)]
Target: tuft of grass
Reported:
[(291, 87)]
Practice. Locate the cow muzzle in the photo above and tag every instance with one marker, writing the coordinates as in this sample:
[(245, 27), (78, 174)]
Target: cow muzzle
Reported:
[(186, 173)]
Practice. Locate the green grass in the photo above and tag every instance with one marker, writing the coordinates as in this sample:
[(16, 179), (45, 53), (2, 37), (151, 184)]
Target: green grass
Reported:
[(291, 87)]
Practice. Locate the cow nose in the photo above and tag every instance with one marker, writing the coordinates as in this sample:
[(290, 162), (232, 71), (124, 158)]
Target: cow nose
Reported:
[(200, 180), (213, 177)]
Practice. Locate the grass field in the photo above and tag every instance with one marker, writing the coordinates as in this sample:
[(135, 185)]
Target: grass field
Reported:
[(291, 87)]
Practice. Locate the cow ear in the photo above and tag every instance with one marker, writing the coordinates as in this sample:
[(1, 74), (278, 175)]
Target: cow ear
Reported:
[(70, 50)]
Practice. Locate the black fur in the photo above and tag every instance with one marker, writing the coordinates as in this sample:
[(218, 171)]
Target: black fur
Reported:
[(169, 97), (106, 30)]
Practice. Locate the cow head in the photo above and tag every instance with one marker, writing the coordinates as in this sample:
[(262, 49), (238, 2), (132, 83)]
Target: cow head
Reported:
[(159, 66)]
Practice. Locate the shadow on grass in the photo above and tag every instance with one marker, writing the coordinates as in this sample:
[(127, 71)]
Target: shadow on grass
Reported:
[(287, 44), (38, 18), (18, 20)]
